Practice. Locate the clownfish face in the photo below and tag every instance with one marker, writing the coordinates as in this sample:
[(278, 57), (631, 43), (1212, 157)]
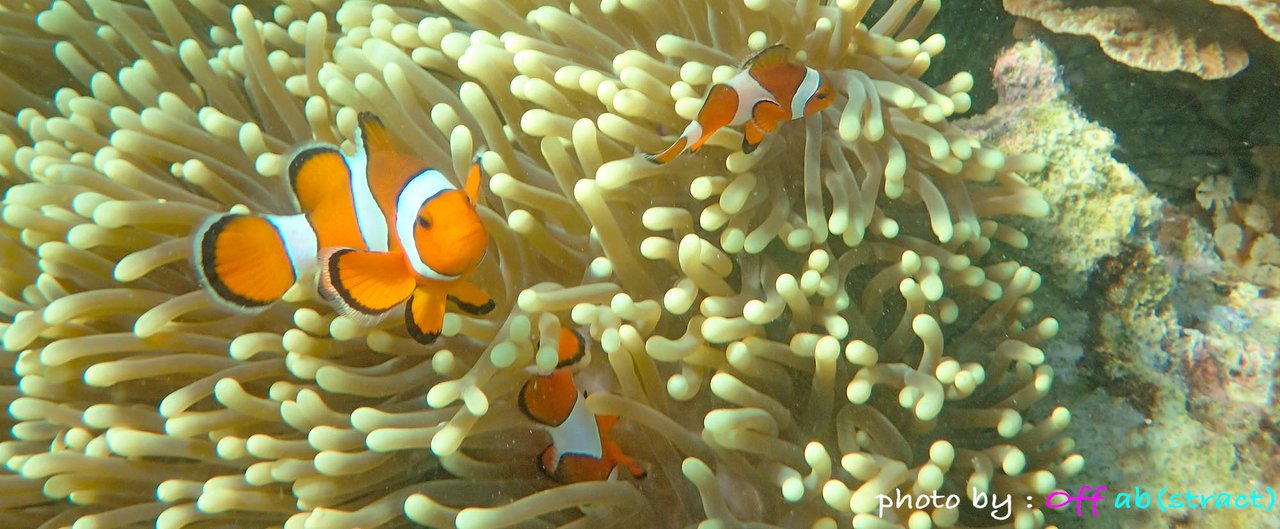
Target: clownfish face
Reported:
[(821, 98), (448, 234)]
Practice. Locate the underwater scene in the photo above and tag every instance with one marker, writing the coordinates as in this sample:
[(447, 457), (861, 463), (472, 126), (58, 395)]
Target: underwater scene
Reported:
[(587, 264)]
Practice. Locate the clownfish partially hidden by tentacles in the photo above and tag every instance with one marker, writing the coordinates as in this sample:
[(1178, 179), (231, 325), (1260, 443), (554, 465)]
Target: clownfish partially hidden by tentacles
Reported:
[(581, 448), (770, 89), (381, 226)]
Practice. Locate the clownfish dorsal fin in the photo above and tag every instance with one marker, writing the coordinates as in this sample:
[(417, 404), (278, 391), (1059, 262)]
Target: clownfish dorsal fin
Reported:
[(318, 173), (770, 56), (373, 137), (387, 167), (472, 185)]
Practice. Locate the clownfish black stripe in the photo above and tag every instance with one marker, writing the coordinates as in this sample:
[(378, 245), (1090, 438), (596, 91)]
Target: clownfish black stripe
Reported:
[(473, 309)]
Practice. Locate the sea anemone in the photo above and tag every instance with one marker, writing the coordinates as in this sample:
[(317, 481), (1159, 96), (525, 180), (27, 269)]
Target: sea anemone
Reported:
[(728, 298)]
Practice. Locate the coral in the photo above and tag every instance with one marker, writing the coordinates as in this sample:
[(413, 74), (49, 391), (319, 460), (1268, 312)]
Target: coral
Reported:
[(1084, 184), (1245, 233), (1197, 367), (1232, 361), (1158, 35), (1170, 382), (728, 298)]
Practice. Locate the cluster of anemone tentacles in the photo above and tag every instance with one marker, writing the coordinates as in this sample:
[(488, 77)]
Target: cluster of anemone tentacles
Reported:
[(785, 335)]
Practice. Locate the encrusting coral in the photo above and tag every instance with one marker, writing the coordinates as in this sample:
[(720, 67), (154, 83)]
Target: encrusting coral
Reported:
[(1083, 183), (1160, 35), (729, 298)]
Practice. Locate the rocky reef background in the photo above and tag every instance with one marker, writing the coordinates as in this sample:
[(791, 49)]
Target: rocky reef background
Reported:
[(1162, 246)]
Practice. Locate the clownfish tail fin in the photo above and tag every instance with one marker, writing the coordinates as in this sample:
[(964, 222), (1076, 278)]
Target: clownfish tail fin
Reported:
[(572, 349), (637, 471), (670, 153), (245, 261)]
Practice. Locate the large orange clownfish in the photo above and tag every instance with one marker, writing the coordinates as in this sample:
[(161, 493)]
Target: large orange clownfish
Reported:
[(770, 89), (381, 226), (581, 448)]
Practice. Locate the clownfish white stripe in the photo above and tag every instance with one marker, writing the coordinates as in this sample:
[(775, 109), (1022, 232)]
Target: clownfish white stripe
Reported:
[(299, 241), (578, 434), (369, 217), (417, 192), (750, 92), (808, 87), (694, 130)]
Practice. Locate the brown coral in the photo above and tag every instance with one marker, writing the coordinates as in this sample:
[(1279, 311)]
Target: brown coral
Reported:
[(1265, 12), (1146, 35), (1245, 232)]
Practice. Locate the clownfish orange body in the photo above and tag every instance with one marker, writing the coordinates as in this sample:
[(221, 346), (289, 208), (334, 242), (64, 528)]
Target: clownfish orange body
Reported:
[(770, 89), (381, 227), (581, 448)]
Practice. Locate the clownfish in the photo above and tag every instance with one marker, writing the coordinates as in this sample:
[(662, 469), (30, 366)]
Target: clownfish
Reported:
[(382, 227), (581, 448), (770, 89)]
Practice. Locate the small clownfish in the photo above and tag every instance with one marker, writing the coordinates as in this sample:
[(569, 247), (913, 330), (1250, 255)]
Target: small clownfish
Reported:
[(581, 448), (770, 89), (381, 226)]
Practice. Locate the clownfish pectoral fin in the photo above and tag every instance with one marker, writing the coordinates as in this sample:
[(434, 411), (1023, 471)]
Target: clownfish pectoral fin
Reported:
[(471, 298), (752, 135), (243, 260), (549, 400), (424, 316), (547, 461), (767, 114), (775, 54), (670, 153), (365, 283), (317, 174), (577, 468)]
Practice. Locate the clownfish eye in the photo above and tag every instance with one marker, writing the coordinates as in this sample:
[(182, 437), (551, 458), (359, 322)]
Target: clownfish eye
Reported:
[(823, 95), (424, 222)]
